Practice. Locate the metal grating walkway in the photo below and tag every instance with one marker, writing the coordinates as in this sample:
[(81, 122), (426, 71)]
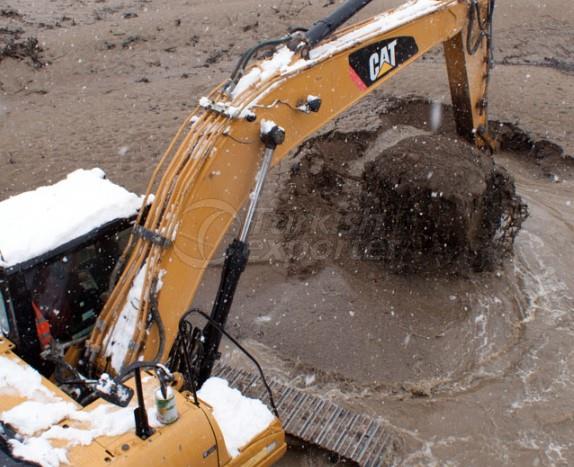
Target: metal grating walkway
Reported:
[(353, 436)]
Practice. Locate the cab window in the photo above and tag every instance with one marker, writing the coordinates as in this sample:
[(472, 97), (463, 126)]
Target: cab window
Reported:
[(71, 291), (4, 322)]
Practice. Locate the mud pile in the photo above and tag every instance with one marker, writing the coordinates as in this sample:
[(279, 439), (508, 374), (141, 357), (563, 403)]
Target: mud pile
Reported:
[(434, 203), (13, 45), (317, 214)]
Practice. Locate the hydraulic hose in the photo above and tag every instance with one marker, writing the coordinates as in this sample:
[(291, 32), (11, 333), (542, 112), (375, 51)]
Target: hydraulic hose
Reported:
[(325, 27), (319, 31)]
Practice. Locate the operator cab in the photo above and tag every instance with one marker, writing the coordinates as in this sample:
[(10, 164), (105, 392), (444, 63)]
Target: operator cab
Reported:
[(54, 278)]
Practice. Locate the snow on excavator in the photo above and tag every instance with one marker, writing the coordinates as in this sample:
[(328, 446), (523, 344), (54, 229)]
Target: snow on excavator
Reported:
[(100, 363)]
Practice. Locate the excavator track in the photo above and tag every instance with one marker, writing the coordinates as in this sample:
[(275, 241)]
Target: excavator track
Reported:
[(353, 436)]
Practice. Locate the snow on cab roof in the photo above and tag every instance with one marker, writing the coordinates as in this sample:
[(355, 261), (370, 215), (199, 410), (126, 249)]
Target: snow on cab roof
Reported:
[(36, 222)]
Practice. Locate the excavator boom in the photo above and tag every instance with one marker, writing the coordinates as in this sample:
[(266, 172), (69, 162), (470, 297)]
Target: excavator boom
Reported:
[(212, 162)]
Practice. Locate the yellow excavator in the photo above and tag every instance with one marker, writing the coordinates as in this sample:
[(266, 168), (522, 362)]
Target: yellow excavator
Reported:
[(132, 384)]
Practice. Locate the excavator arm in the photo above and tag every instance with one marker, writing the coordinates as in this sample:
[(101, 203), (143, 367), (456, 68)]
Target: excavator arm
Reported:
[(221, 151)]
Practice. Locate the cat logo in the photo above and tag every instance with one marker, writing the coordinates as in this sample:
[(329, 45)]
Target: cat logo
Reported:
[(369, 64), (380, 63)]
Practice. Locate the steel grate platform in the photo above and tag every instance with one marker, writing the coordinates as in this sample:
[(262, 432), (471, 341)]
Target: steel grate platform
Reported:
[(354, 436)]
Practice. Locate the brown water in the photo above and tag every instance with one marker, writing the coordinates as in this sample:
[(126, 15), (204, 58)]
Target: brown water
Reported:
[(471, 370)]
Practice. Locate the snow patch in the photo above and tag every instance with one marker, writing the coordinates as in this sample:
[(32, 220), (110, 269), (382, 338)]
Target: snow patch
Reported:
[(205, 102), (267, 126), (228, 110), (264, 70), (104, 420), (117, 344), (39, 450), (36, 222), (36, 420), (239, 418), (160, 277), (31, 416), (12, 376)]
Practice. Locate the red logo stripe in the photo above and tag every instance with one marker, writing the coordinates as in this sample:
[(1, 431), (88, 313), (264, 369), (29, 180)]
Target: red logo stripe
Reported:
[(357, 80)]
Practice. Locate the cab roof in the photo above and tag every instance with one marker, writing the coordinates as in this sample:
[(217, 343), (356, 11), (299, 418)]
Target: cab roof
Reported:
[(39, 221)]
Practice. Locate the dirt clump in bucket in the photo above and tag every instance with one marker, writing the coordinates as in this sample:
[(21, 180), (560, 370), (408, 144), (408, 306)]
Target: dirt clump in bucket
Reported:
[(435, 203)]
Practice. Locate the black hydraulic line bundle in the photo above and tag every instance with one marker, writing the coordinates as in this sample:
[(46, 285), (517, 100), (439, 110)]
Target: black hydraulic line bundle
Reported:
[(325, 27)]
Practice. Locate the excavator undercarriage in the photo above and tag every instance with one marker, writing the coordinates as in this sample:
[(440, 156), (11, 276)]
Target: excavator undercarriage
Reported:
[(279, 94)]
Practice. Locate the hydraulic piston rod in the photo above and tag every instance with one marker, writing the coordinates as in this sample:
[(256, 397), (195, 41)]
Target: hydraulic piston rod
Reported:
[(256, 193), (236, 257)]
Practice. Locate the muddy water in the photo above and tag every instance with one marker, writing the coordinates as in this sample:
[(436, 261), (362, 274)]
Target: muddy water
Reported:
[(466, 370), (514, 406)]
